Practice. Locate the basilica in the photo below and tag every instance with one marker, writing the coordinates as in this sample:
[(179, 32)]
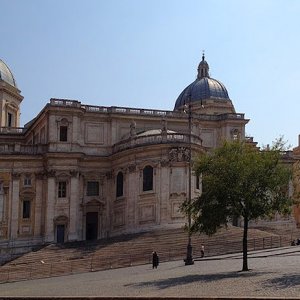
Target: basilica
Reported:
[(82, 172)]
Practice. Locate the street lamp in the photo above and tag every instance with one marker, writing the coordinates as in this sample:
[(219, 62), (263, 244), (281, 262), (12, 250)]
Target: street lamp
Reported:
[(189, 253)]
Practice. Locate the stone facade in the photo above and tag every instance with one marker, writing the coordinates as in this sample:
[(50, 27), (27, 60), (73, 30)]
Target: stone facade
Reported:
[(80, 172)]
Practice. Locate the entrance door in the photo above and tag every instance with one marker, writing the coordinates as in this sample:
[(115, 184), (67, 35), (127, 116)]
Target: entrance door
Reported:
[(60, 234), (91, 226)]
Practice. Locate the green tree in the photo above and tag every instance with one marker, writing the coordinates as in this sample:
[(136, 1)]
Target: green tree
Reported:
[(239, 181)]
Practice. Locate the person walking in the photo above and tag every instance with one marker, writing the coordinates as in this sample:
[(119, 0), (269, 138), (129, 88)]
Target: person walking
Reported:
[(155, 260), (202, 251)]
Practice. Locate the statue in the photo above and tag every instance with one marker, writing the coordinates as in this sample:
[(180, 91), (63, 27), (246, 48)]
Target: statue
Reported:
[(132, 129)]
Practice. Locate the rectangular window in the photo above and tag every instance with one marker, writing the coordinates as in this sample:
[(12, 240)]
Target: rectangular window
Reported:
[(197, 182), (9, 120), (62, 189), (27, 181), (63, 133), (26, 209), (120, 184), (148, 178), (92, 188)]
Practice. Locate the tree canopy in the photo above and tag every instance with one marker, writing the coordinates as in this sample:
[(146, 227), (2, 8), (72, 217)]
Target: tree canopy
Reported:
[(239, 181)]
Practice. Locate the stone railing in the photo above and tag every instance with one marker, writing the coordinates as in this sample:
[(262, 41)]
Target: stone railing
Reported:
[(13, 130), (127, 111), (131, 111), (65, 102), (156, 139), (140, 111), (15, 148), (232, 116)]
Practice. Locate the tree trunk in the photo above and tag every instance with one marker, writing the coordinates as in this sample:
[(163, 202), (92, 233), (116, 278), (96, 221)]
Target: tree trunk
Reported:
[(245, 245)]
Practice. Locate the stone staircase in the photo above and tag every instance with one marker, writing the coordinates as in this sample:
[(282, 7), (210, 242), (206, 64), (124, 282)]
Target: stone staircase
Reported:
[(129, 250)]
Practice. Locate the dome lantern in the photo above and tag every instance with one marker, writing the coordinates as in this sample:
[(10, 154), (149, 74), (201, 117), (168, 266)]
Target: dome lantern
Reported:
[(203, 68)]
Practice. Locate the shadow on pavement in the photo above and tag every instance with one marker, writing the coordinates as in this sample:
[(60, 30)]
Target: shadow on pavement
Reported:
[(284, 281), (182, 280)]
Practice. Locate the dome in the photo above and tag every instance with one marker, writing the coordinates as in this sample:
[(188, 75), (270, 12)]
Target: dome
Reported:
[(6, 74), (202, 88)]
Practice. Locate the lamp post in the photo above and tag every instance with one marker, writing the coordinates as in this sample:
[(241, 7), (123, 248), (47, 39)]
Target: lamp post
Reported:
[(189, 253)]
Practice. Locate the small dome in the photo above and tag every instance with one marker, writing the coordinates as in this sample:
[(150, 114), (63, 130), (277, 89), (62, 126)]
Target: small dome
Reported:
[(202, 88), (6, 74)]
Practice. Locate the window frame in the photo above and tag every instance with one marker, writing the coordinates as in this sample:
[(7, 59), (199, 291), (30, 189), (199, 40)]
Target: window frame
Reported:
[(27, 181), (62, 189), (9, 119), (90, 190), (148, 178), (63, 133), (197, 177), (120, 185), (26, 209)]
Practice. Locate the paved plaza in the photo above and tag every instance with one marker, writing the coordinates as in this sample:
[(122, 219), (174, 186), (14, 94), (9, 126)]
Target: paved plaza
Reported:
[(274, 273)]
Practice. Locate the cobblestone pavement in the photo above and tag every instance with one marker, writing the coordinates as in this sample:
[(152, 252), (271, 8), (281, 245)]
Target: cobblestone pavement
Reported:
[(274, 273)]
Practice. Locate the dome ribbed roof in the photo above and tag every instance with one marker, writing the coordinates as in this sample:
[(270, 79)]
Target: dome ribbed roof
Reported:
[(202, 88), (6, 74)]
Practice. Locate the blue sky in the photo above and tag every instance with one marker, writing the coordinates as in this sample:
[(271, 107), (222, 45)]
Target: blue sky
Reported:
[(140, 53)]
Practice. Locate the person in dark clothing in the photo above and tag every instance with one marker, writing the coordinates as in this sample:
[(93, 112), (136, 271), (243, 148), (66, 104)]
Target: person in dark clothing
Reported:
[(155, 260), (202, 251)]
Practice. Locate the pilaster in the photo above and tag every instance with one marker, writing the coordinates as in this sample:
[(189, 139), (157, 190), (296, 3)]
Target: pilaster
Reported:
[(164, 183), (132, 188), (14, 220), (74, 205), (38, 205), (49, 216)]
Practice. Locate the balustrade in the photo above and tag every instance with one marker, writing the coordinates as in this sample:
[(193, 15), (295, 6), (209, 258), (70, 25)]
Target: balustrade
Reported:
[(156, 139), (10, 148), (140, 111)]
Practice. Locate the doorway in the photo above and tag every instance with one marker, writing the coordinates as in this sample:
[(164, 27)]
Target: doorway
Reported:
[(60, 233), (91, 225)]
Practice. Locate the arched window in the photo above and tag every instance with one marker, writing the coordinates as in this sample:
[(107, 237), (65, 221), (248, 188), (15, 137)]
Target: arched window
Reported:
[(120, 178), (235, 134), (148, 178)]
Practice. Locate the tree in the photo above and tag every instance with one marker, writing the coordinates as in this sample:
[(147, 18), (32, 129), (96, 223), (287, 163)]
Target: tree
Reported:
[(239, 181)]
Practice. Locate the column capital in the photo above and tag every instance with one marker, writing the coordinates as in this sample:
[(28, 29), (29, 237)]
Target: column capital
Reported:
[(15, 176), (50, 173), (40, 175), (74, 173)]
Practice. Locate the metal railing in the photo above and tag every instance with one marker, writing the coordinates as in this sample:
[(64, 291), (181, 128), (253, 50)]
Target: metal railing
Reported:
[(96, 262)]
